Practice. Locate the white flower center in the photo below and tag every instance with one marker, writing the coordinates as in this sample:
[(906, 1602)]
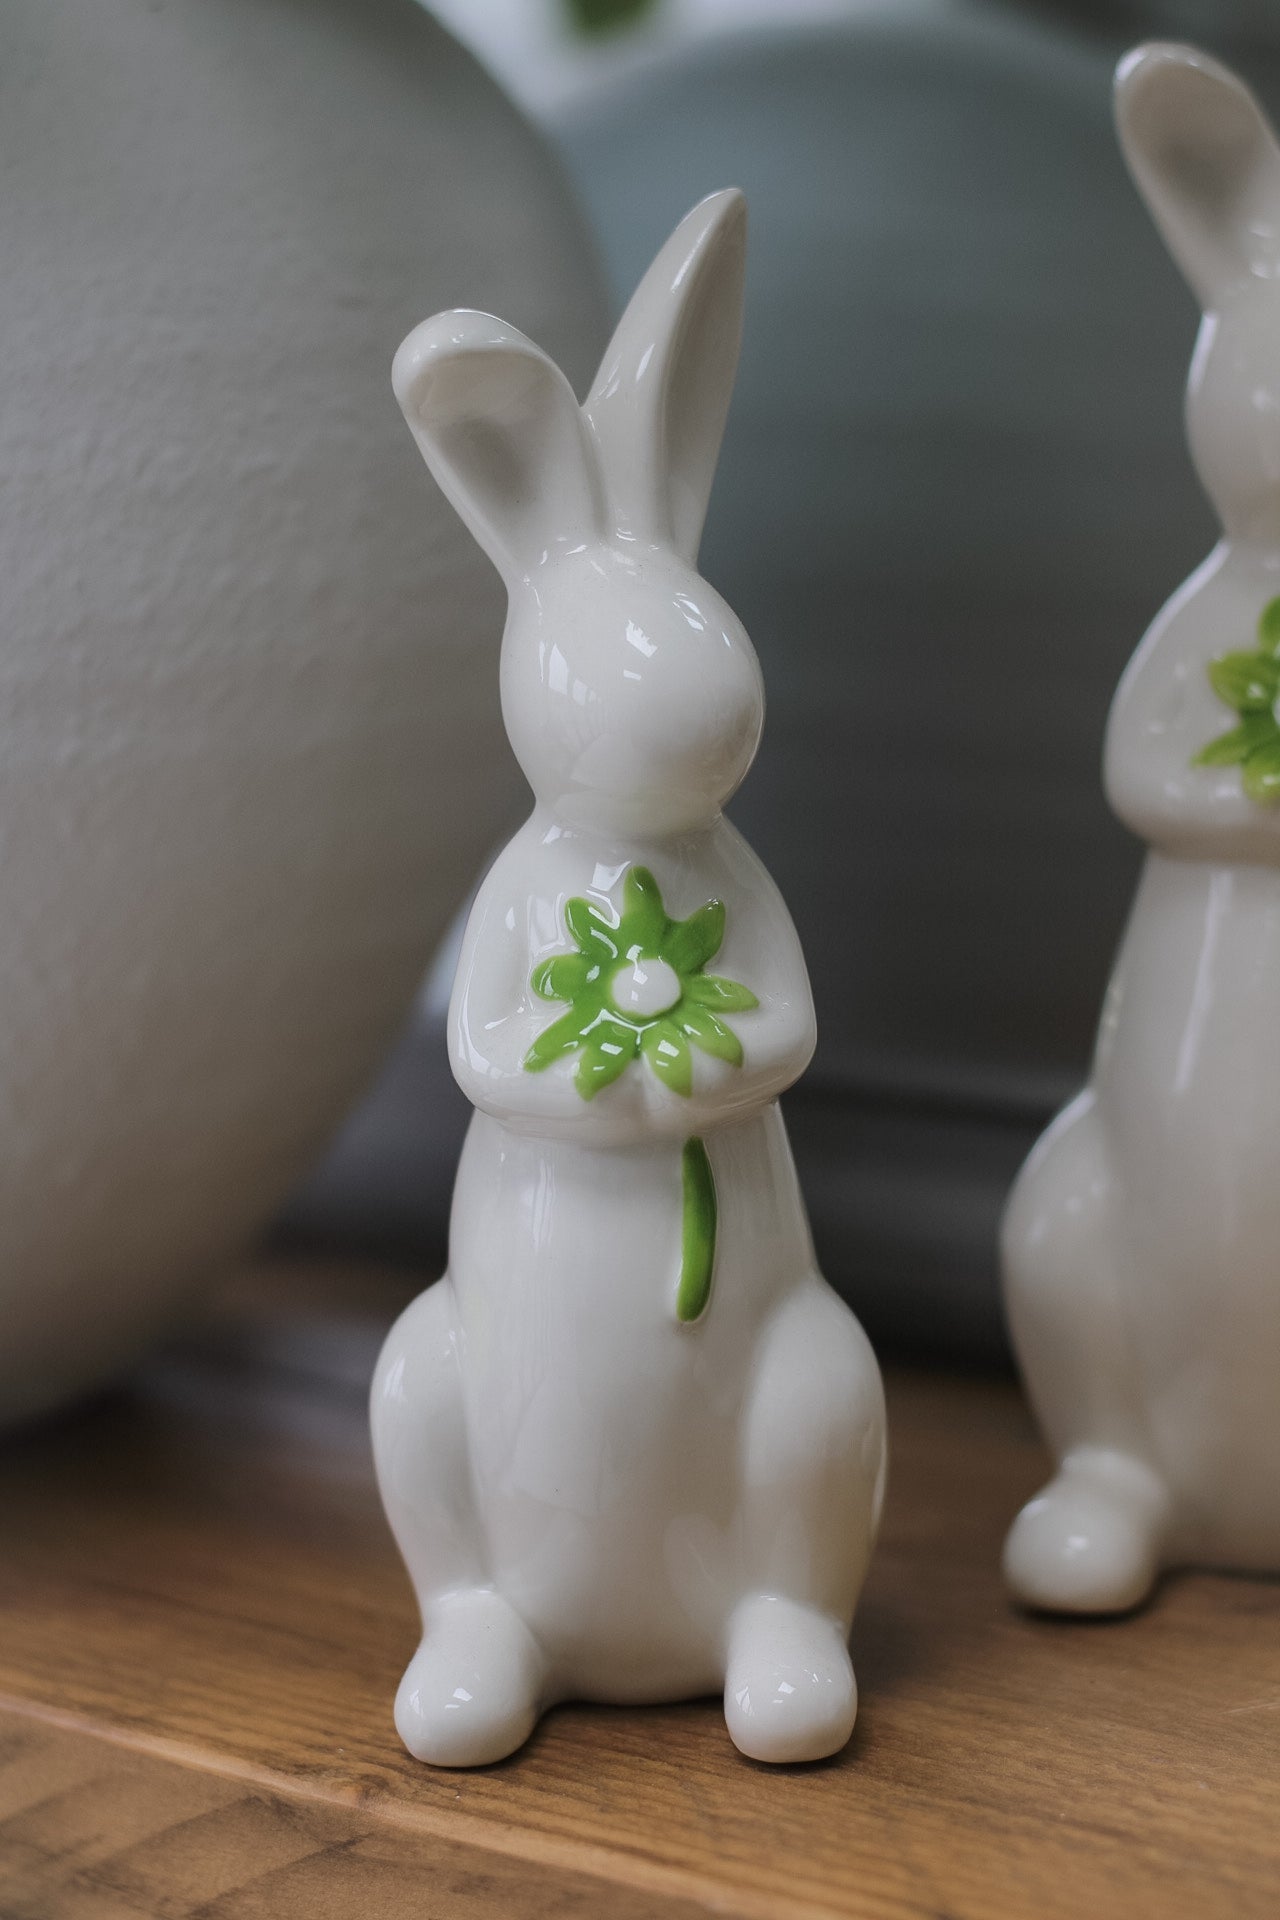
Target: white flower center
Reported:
[(643, 989)]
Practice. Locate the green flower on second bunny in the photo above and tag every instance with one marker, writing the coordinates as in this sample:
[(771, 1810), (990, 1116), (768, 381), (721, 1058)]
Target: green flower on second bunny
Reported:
[(638, 989), (1250, 682)]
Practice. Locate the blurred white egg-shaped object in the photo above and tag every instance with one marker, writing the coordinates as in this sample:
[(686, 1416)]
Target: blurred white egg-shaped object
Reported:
[(248, 759)]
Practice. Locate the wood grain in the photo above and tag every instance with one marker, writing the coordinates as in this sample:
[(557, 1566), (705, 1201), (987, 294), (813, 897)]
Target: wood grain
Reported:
[(202, 1621)]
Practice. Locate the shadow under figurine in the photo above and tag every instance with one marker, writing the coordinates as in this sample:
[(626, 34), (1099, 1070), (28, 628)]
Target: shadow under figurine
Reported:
[(1142, 1240), (632, 1445)]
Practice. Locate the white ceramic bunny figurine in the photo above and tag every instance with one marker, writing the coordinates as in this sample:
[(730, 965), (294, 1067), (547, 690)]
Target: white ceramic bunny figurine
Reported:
[(632, 1445), (1142, 1240)]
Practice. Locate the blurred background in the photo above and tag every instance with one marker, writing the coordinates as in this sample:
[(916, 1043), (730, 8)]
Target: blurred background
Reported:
[(250, 752)]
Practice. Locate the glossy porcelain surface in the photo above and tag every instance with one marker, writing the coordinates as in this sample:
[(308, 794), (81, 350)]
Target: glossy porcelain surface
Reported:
[(632, 1446), (1140, 1240)]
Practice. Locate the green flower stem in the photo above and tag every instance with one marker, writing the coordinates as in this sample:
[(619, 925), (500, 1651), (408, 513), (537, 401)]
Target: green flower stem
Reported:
[(697, 1232), (606, 1031)]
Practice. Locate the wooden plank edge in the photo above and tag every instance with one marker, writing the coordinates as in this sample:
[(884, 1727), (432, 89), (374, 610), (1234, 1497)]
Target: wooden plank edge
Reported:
[(617, 1865)]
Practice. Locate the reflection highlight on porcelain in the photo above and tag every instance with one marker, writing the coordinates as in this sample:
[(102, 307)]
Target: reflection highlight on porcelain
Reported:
[(632, 1445), (1139, 1243)]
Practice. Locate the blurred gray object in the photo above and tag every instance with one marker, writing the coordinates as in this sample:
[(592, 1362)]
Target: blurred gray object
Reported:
[(953, 492), (237, 696)]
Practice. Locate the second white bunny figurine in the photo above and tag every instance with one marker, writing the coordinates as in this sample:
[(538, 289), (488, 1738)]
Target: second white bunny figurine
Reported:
[(632, 1445), (1142, 1240)]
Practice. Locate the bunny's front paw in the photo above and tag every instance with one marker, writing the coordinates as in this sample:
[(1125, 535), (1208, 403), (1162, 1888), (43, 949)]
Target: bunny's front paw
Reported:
[(1090, 1541), (789, 1691), (472, 1692)]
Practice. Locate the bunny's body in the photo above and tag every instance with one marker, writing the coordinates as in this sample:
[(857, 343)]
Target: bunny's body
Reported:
[(605, 1483), (1142, 1240)]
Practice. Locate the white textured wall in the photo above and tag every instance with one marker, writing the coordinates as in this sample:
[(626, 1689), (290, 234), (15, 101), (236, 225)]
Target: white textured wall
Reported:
[(250, 752)]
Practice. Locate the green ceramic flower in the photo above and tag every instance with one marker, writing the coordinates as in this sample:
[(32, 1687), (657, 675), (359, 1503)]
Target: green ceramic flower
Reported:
[(1250, 682), (638, 988)]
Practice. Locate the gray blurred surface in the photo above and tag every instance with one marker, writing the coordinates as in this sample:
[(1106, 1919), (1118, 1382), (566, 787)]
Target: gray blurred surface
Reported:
[(237, 697), (953, 493)]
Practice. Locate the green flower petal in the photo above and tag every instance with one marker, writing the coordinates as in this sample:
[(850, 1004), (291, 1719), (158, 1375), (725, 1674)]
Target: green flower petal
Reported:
[(563, 976), (1262, 772), (1269, 626), (1231, 749), (726, 996), (591, 932), (710, 1034), (561, 1037), (607, 1042), (689, 944), (1246, 681), (607, 1052), (667, 1051), (644, 918)]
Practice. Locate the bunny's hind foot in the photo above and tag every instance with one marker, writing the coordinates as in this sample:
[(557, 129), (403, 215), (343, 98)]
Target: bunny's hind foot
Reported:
[(473, 1691), (789, 1691), (1091, 1541)]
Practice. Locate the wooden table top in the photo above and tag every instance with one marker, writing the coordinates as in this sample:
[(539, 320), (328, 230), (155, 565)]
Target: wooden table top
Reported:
[(203, 1619)]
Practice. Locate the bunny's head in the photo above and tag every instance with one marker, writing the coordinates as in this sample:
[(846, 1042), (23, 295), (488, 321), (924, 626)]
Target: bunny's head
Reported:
[(1207, 164), (630, 692)]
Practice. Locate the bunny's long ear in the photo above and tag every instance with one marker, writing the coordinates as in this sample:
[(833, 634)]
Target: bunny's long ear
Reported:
[(1205, 161), (497, 423), (659, 403)]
